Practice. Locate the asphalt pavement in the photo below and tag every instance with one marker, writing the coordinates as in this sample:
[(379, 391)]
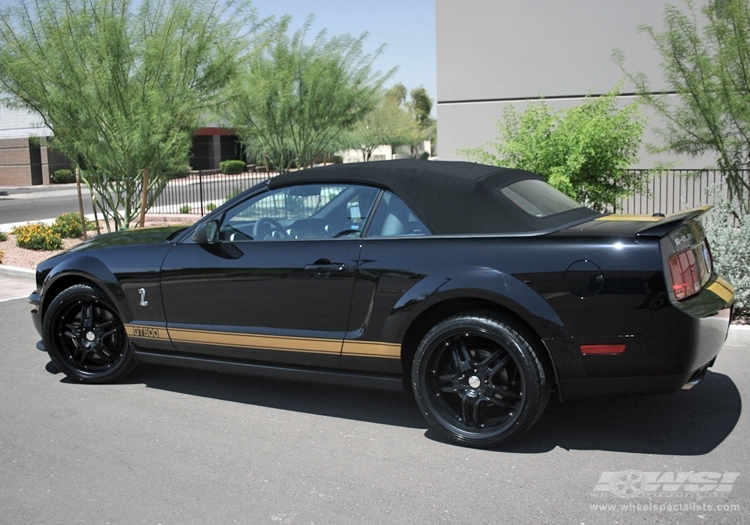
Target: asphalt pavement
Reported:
[(174, 446)]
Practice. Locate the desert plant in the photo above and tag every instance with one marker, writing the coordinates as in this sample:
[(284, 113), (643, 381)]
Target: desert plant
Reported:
[(729, 236), (68, 225), (37, 236), (2, 254), (232, 166)]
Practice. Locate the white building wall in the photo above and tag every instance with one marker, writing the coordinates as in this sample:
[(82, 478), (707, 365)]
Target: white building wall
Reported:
[(491, 53)]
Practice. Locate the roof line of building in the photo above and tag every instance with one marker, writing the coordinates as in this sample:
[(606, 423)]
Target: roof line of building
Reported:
[(540, 97)]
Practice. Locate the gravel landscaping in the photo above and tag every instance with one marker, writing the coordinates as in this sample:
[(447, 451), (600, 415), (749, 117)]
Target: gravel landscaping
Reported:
[(22, 258)]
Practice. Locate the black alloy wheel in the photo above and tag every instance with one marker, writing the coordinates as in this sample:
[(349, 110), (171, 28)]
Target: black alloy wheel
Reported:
[(478, 381), (85, 337)]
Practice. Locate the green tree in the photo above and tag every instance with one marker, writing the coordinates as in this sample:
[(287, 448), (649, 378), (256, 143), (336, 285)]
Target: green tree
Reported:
[(585, 151), (421, 106), (706, 61), (296, 99), (122, 85), (388, 123)]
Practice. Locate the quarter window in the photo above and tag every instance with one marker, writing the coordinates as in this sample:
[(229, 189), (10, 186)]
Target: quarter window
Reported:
[(394, 218)]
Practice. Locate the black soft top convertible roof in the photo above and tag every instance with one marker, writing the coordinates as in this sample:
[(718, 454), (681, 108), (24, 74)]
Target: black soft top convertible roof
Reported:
[(449, 197)]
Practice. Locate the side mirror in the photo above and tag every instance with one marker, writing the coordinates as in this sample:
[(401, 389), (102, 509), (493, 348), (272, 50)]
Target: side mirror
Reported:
[(207, 233)]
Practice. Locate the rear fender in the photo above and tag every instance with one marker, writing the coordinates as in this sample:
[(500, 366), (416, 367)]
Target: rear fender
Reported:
[(483, 283)]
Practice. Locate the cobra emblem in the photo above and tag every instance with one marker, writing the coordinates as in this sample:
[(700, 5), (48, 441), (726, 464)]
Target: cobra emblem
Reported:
[(142, 293)]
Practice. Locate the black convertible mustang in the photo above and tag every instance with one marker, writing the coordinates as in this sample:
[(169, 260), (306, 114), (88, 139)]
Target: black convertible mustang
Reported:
[(483, 289)]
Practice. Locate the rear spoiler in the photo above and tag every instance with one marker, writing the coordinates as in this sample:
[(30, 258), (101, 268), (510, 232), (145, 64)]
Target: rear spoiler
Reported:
[(671, 222)]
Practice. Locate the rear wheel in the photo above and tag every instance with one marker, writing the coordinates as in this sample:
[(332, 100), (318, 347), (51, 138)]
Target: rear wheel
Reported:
[(478, 379), (85, 337)]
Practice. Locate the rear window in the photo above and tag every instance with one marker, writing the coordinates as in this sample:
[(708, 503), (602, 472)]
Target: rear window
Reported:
[(538, 199)]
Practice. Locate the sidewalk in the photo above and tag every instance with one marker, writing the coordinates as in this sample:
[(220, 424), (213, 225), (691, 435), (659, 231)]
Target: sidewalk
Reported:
[(15, 283)]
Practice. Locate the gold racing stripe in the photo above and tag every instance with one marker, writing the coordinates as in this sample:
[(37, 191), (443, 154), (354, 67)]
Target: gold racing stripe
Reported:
[(267, 342), (723, 289), (371, 349), (264, 342), (626, 217)]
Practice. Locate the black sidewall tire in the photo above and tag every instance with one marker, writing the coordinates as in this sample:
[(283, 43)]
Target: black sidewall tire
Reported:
[(517, 342), (83, 292)]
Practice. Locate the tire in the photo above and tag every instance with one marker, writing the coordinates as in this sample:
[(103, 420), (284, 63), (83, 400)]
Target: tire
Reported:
[(85, 338), (478, 379)]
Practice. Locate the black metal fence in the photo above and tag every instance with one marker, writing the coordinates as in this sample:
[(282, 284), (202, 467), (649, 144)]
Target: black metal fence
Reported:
[(667, 191), (201, 191), (675, 190)]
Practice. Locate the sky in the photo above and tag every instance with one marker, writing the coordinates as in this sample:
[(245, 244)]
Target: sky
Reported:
[(406, 27)]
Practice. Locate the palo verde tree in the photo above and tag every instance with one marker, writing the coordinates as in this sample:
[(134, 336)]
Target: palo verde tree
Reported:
[(296, 98), (706, 62), (585, 151), (122, 85), (389, 123)]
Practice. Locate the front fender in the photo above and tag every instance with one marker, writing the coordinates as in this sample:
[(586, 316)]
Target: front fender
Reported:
[(84, 268)]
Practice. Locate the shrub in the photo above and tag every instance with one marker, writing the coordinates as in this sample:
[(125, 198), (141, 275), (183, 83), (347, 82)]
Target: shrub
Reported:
[(2, 254), (185, 208), (63, 177), (210, 206), (232, 166), (729, 239), (585, 151), (68, 225), (37, 236), (3, 237)]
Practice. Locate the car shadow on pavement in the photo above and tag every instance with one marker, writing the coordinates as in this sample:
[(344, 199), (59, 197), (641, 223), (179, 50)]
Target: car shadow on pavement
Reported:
[(389, 408), (683, 423)]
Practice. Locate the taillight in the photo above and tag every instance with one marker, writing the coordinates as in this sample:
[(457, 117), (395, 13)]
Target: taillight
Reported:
[(689, 271)]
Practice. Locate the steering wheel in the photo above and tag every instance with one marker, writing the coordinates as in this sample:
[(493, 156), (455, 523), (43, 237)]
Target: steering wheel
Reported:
[(265, 228)]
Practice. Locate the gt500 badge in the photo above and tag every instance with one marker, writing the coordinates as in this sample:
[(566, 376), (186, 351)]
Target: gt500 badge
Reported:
[(139, 331)]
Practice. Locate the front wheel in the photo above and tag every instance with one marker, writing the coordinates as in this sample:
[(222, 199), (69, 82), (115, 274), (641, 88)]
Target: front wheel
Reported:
[(85, 337), (478, 381)]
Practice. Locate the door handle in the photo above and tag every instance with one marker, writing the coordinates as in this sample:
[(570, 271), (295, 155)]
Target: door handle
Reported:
[(326, 269)]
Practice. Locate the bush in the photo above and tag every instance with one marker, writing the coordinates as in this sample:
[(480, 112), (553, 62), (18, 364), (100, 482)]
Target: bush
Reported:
[(63, 177), (3, 237), (185, 208), (2, 254), (210, 206), (232, 166), (37, 237), (585, 151), (730, 248), (68, 225)]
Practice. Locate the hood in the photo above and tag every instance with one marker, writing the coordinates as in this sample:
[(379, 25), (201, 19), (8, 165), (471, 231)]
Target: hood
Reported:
[(128, 238)]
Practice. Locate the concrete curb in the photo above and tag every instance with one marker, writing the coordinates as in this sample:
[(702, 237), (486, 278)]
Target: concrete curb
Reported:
[(739, 335), (18, 273)]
